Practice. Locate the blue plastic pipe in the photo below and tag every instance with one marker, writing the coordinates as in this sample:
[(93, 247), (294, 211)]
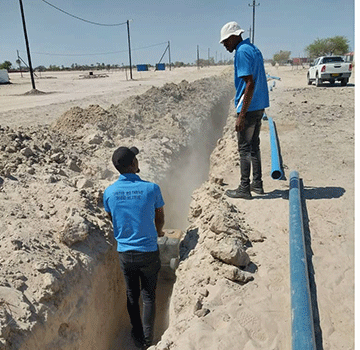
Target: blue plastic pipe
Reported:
[(276, 169), (303, 335), (272, 77), (271, 86)]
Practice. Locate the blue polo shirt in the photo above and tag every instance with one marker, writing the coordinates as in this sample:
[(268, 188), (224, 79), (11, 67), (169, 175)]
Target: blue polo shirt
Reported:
[(132, 203), (248, 60)]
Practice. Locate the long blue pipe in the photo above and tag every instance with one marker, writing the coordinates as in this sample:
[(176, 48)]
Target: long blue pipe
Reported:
[(303, 335), (276, 169), (272, 77)]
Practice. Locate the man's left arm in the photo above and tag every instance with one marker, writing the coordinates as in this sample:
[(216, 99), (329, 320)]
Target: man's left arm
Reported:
[(248, 94)]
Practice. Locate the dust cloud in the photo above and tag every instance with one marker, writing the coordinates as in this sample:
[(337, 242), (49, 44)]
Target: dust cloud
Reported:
[(191, 168)]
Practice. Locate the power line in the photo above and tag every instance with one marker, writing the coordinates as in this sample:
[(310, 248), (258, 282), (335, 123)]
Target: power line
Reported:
[(146, 47), (96, 54), (80, 54), (85, 20)]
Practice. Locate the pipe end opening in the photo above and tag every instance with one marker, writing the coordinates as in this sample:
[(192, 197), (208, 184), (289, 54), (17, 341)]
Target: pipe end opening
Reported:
[(276, 175)]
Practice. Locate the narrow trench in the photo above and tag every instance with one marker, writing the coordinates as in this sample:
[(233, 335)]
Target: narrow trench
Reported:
[(187, 173)]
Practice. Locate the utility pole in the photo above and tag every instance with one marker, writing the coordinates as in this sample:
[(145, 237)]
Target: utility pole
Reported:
[(169, 55), (27, 45), (128, 31), (250, 32), (198, 62), (19, 62), (253, 27)]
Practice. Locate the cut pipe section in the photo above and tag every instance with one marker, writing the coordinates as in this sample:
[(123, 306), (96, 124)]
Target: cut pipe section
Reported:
[(277, 172), (303, 335)]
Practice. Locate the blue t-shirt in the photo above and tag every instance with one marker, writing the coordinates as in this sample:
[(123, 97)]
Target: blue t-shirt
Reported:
[(132, 203), (248, 60)]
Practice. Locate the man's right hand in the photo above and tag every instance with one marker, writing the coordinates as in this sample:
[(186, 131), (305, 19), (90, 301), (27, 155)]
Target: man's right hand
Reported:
[(161, 233), (240, 123), (159, 221)]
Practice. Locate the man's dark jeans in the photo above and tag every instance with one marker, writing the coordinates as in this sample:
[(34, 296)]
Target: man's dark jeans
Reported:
[(141, 273), (249, 149)]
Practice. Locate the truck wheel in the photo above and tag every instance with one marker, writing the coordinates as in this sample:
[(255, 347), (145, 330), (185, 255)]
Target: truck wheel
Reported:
[(317, 81), (308, 79), (344, 81)]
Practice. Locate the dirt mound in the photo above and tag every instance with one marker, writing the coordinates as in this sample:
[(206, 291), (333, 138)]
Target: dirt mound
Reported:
[(35, 92), (77, 117)]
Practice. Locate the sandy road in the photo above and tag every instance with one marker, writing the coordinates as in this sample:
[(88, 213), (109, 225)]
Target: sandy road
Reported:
[(68, 89)]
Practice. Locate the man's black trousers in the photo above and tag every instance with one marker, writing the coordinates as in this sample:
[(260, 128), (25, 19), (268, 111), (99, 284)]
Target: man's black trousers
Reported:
[(249, 149), (141, 270)]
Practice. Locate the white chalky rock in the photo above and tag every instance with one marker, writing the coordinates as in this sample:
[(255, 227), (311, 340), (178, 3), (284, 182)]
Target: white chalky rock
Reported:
[(76, 229)]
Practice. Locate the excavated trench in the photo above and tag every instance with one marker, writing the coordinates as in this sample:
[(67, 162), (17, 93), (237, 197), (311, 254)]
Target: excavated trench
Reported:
[(88, 308), (187, 172)]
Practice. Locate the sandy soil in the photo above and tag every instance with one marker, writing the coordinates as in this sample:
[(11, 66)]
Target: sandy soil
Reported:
[(70, 89), (220, 300)]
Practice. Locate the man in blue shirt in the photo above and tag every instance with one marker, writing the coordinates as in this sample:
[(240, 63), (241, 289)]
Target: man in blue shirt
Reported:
[(136, 209), (251, 99)]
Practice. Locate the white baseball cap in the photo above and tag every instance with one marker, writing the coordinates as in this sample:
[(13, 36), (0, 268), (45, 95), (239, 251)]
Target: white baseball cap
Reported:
[(229, 29)]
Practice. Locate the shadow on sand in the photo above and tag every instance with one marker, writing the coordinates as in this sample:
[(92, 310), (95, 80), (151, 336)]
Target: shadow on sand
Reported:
[(307, 193)]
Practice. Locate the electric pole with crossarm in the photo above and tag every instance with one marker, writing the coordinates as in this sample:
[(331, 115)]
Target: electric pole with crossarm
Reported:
[(253, 26)]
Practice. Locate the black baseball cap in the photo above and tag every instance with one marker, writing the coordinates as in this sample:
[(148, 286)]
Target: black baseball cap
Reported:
[(123, 157)]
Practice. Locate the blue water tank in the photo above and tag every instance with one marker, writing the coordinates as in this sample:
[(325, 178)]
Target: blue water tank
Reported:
[(142, 67), (160, 66)]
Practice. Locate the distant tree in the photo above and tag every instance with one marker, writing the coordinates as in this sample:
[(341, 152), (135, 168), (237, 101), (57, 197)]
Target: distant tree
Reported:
[(178, 64), (40, 69), (202, 62), (282, 57), (337, 45), (6, 65), (54, 67)]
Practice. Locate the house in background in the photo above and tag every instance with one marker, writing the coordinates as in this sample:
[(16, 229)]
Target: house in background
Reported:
[(297, 61)]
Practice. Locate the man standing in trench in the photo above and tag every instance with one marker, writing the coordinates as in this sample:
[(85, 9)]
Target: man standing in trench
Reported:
[(251, 99), (136, 210)]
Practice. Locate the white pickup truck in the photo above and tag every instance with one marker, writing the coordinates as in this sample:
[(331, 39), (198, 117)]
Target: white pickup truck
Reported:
[(329, 68)]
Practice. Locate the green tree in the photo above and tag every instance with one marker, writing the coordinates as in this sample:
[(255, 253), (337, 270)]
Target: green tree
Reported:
[(54, 67), (282, 57), (178, 64), (6, 65), (40, 69), (337, 45)]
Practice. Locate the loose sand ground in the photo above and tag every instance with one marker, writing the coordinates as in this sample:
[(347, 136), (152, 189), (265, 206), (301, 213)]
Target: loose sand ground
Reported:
[(316, 132), (69, 89)]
